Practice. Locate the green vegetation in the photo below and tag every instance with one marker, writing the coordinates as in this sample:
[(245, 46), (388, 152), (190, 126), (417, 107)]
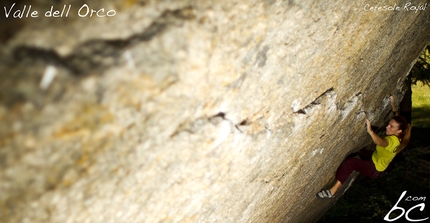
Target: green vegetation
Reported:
[(421, 106), (421, 70), (420, 116)]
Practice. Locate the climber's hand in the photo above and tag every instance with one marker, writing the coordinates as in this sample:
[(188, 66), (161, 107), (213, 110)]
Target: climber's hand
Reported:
[(369, 126)]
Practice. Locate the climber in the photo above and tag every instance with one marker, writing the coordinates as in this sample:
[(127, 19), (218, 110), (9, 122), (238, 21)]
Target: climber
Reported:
[(373, 163)]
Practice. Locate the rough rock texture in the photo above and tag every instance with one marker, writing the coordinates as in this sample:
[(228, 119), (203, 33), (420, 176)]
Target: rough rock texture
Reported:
[(193, 110)]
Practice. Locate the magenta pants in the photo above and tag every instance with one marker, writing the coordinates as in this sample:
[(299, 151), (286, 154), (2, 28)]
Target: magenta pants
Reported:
[(364, 166)]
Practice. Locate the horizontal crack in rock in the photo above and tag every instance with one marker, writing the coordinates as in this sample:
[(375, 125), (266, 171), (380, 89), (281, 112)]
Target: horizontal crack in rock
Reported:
[(317, 101)]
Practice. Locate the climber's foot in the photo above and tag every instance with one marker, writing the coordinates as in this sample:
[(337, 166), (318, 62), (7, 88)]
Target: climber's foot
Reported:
[(324, 194)]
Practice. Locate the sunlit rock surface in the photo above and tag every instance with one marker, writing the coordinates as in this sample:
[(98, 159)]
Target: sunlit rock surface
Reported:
[(193, 111)]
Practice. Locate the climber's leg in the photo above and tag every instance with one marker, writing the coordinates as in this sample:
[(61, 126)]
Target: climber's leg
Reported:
[(335, 187)]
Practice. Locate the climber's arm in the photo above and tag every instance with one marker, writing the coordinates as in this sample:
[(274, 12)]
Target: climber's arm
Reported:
[(393, 106), (376, 139)]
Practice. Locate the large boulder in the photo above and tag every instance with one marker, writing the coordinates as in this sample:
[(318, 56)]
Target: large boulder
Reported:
[(193, 111)]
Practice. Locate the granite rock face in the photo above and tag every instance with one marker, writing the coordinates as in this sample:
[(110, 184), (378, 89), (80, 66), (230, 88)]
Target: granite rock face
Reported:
[(193, 111)]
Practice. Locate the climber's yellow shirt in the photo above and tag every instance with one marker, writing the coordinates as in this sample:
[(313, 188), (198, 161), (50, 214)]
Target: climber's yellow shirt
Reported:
[(383, 155)]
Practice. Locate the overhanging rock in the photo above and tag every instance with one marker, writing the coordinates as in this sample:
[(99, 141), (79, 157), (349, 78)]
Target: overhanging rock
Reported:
[(194, 111)]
